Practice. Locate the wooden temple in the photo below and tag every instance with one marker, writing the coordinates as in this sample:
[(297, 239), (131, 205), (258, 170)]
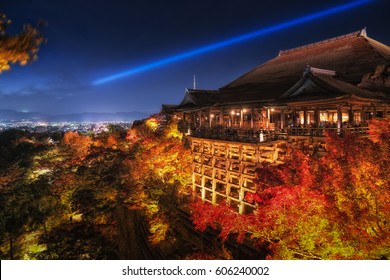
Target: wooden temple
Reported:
[(338, 84)]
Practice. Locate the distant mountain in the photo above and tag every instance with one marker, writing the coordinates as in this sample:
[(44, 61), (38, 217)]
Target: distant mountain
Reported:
[(99, 117), (12, 115)]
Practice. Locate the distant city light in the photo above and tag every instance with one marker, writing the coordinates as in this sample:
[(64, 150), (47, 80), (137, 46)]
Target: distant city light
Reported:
[(234, 40)]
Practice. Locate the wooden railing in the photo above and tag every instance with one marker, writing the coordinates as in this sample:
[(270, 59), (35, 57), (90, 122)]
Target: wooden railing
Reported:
[(321, 131), (255, 136)]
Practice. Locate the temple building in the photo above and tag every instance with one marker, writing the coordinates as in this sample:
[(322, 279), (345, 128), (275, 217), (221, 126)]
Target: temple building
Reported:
[(338, 85)]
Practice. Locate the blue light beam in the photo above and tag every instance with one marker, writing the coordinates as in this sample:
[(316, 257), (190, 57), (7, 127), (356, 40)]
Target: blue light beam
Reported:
[(234, 40)]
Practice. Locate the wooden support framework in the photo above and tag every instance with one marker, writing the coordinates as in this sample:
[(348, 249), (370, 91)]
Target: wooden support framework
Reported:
[(225, 171)]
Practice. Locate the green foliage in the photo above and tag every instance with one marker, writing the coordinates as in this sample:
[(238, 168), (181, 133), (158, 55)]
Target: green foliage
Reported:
[(77, 241), (48, 192), (44, 185)]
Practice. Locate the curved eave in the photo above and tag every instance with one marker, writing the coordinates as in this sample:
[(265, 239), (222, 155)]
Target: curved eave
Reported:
[(351, 99)]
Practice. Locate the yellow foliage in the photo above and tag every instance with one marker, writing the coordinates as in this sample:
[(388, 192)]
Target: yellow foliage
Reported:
[(158, 229), (172, 131), (152, 123), (21, 48)]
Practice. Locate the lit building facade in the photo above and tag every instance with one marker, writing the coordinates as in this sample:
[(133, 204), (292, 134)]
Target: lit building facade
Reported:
[(338, 84)]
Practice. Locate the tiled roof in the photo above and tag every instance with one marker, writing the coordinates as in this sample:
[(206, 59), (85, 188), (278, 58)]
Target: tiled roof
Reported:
[(198, 98), (352, 56), (355, 65), (321, 85)]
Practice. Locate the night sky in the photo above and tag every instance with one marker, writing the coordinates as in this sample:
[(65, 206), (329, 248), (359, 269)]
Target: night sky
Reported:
[(91, 39)]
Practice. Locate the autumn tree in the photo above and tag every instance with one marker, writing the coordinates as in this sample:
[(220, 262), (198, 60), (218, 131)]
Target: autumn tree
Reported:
[(330, 207), (21, 48), (26, 196), (79, 144), (158, 174)]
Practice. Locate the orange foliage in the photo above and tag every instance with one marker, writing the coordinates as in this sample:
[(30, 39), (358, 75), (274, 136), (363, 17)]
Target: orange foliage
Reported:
[(111, 141), (158, 172), (78, 143), (21, 48)]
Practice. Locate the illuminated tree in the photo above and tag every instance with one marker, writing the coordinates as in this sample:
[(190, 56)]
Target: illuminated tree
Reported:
[(356, 181), (158, 174), (21, 48), (79, 144), (332, 207)]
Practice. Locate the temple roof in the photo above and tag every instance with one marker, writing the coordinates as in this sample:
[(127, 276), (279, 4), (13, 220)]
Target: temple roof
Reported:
[(353, 56), (358, 68), (323, 85), (195, 98)]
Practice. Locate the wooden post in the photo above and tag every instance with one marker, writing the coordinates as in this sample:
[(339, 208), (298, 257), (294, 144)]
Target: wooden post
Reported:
[(317, 120), (241, 118), (350, 115), (339, 119), (252, 116), (210, 118), (193, 178), (363, 114), (241, 205), (294, 117), (282, 119), (203, 188), (268, 117)]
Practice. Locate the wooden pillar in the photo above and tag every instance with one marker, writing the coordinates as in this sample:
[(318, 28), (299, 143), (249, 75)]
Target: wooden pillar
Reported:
[(363, 114), (210, 118), (241, 205), (241, 118), (316, 117), (192, 122), (294, 117), (317, 121), (193, 178), (350, 115), (304, 118), (339, 119), (268, 117), (214, 182), (221, 117), (282, 118), (203, 194), (252, 116)]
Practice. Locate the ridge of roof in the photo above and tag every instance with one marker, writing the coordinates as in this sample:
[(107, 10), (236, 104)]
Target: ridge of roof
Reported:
[(199, 97), (359, 33), (200, 91), (382, 49), (316, 71), (351, 55)]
